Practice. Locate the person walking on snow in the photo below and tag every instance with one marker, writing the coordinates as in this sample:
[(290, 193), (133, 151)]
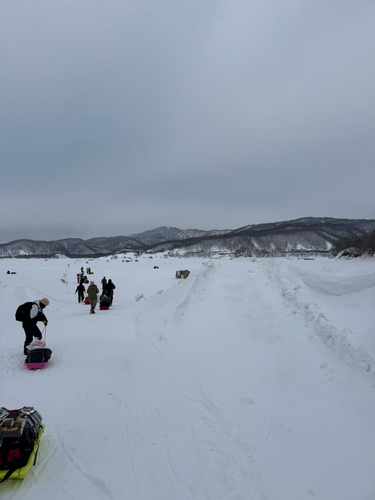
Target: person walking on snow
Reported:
[(109, 290), (81, 292), (92, 294), (30, 323), (104, 284)]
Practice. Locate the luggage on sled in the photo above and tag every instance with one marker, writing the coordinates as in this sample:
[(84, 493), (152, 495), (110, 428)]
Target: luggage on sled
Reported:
[(38, 355), (104, 303), (20, 434)]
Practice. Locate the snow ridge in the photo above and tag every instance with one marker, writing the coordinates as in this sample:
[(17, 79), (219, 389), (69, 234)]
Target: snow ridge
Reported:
[(334, 336)]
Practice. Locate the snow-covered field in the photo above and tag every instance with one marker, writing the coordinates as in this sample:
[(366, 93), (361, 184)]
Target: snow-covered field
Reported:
[(249, 380)]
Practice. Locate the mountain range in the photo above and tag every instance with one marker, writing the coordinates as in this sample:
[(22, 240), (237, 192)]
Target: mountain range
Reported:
[(309, 235)]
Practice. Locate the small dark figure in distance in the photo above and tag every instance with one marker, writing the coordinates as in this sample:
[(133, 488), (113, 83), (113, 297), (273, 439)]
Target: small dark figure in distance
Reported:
[(92, 294), (31, 319), (109, 291), (81, 292), (104, 285), (182, 274)]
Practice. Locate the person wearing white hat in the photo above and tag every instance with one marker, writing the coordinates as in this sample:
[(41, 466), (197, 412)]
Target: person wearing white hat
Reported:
[(33, 313)]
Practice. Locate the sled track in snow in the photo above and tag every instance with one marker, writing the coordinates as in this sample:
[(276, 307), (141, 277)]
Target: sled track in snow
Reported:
[(197, 283), (334, 337)]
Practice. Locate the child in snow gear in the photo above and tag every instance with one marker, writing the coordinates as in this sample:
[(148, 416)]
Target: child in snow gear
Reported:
[(81, 292), (109, 291), (30, 313), (92, 294), (20, 433)]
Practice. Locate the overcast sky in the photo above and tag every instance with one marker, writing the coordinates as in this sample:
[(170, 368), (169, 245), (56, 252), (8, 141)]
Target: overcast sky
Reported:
[(119, 116)]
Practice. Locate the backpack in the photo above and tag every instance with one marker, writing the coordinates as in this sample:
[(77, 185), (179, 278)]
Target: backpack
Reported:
[(19, 430), (23, 311)]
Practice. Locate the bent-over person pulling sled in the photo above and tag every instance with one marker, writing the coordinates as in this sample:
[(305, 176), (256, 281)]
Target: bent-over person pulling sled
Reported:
[(29, 314)]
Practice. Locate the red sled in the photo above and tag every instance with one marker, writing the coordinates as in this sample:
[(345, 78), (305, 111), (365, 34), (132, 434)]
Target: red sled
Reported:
[(104, 308), (87, 301)]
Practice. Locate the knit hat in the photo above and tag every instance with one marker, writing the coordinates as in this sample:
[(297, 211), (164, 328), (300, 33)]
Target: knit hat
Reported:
[(44, 301), (92, 283)]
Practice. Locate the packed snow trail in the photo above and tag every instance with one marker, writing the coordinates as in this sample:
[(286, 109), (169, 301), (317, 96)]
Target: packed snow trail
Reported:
[(212, 389), (259, 377)]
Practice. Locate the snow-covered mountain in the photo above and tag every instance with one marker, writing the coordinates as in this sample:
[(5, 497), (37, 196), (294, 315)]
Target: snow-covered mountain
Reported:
[(308, 234), (96, 247)]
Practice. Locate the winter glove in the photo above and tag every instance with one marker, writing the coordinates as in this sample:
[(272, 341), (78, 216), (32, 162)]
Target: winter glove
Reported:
[(45, 322)]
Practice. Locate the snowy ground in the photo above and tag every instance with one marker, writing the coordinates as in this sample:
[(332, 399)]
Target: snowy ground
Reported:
[(249, 380)]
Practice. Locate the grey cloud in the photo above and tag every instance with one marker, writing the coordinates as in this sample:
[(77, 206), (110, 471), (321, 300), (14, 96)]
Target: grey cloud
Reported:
[(257, 110)]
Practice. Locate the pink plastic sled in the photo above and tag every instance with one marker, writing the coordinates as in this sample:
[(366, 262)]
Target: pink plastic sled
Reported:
[(37, 343), (35, 366)]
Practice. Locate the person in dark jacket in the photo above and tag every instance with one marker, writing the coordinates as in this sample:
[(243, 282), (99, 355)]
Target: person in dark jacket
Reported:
[(104, 284), (81, 292), (109, 290), (92, 293), (30, 324)]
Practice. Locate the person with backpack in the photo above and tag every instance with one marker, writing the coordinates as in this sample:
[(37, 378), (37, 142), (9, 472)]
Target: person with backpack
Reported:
[(30, 313), (109, 290), (81, 292), (92, 294)]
